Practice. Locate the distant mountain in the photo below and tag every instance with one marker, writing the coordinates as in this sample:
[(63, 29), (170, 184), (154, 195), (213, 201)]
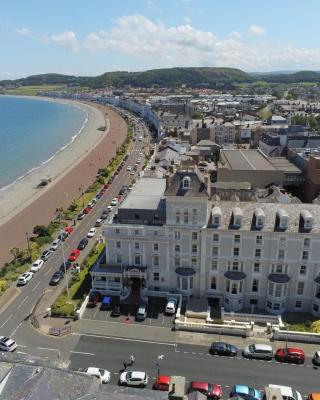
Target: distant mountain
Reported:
[(219, 78)]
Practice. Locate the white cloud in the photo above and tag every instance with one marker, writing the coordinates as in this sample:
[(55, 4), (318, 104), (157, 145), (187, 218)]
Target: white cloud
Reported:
[(235, 35), (66, 39), (23, 31), (187, 20), (256, 30)]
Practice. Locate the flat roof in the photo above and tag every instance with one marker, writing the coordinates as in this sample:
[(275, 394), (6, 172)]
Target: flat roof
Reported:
[(145, 195), (247, 160), (283, 164)]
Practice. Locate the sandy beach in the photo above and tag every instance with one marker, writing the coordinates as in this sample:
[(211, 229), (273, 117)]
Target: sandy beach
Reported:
[(23, 205)]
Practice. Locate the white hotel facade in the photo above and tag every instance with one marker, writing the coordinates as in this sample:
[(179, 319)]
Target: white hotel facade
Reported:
[(172, 237)]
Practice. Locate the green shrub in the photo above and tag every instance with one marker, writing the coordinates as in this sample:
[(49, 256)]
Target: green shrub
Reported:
[(42, 240), (41, 230)]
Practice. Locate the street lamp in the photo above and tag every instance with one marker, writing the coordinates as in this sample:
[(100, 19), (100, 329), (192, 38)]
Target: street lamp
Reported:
[(81, 190), (160, 357), (29, 249), (65, 268)]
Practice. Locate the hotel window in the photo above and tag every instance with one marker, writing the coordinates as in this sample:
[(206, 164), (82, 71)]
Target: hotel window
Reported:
[(117, 231), (270, 289), (155, 246), (281, 254), (237, 238), (303, 270), (214, 265), (156, 276), (194, 216), (177, 216), (315, 307), (215, 237), (305, 255), (177, 262), (216, 220), (118, 245), (257, 253), (137, 245), (194, 249), (306, 242), (282, 241), (276, 306), (156, 261), (177, 248), (213, 284), (255, 285), (194, 262), (259, 239), (194, 235), (118, 259), (300, 288), (136, 232), (155, 233), (298, 304), (256, 268), (236, 251), (317, 294), (279, 269), (177, 235), (186, 217), (137, 261), (215, 250), (278, 291), (235, 266)]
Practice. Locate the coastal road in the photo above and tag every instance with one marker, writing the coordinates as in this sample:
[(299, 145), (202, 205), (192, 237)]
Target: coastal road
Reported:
[(12, 317), (192, 361)]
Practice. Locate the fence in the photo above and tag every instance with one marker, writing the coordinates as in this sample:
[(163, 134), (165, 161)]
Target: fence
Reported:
[(305, 337), (60, 332), (229, 315), (212, 328), (82, 308)]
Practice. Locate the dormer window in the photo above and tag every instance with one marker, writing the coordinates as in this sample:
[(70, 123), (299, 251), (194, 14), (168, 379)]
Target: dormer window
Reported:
[(307, 220), (260, 218), (186, 183), (283, 219), (237, 217), (216, 216)]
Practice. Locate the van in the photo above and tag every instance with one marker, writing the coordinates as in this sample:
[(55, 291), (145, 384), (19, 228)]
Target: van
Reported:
[(287, 392), (99, 373), (258, 351), (142, 312)]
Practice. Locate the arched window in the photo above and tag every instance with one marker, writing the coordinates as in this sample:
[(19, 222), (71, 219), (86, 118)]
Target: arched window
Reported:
[(186, 182)]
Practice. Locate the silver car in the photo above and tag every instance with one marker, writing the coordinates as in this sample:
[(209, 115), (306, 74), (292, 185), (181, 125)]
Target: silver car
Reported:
[(258, 351)]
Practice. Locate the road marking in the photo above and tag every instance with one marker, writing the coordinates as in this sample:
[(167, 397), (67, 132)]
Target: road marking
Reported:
[(201, 354), (23, 301), (82, 352), (186, 352), (49, 349), (6, 321), (21, 352), (124, 339), (22, 346), (47, 271), (36, 286), (95, 313)]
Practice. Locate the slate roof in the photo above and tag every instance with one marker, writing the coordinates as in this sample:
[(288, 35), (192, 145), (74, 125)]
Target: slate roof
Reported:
[(235, 275), (197, 186), (279, 278)]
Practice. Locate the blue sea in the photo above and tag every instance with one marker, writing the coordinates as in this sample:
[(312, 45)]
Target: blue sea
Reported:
[(31, 133)]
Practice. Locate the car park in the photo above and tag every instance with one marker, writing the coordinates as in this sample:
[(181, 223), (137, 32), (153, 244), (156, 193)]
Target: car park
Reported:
[(81, 216), (36, 265), (116, 311), (75, 253), (223, 349), (99, 222), (91, 233), (210, 390), (290, 355), (56, 278), (94, 298), (171, 306), (258, 351), (287, 392), (25, 278), (316, 358), (99, 373), (7, 344), (55, 244), (83, 243), (134, 378), (142, 312), (114, 201), (46, 255), (162, 383), (246, 392)]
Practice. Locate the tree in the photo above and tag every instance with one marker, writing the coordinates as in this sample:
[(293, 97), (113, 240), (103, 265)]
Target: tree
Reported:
[(41, 230)]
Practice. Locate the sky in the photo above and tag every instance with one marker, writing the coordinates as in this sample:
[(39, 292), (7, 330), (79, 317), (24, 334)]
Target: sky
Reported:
[(90, 37)]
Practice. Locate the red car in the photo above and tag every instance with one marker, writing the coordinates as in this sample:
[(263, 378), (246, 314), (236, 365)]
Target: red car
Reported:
[(68, 229), (87, 210), (210, 390), (106, 186), (75, 253), (161, 383), (94, 298), (102, 191), (290, 354)]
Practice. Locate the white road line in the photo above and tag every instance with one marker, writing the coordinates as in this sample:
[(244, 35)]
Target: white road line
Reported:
[(47, 271), (201, 354), (6, 321), (36, 286), (186, 352), (124, 339), (22, 352), (49, 349), (23, 301), (82, 352), (22, 346)]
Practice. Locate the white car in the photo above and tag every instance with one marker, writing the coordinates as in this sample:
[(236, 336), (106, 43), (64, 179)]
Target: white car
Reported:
[(287, 392), (114, 202), (171, 306), (37, 265), (132, 172), (7, 344), (134, 378), (91, 233), (25, 278), (100, 373), (128, 168), (99, 222), (55, 244), (110, 208), (46, 254), (140, 138)]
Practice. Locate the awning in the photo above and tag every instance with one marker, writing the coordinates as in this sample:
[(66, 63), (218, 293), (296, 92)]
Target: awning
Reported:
[(279, 278), (185, 271), (235, 275)]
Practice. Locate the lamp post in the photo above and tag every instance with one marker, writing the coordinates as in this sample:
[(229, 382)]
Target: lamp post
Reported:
[(160, 357), (29, 249), (81, 190), (65, 269)]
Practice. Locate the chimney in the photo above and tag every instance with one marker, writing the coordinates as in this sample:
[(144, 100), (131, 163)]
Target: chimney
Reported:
[(167, 180), (208, 184)]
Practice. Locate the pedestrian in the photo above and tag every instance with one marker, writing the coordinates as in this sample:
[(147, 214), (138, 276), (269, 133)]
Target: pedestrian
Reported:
[(131, 359), (124, 365)]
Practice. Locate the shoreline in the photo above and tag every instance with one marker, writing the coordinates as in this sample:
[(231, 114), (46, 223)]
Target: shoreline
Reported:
[(79, 171)]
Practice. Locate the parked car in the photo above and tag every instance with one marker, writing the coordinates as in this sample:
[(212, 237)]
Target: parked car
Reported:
[(91, 233), (316, 358), (111, 179), (246, 391), (94, 298), (7, 344), (116, 311), (171, 306), (46, 255), (68, 266), (314, 396), (68, 229), (134, 378), (114, 201), (25, 278), (87, 210), (258, 351), (36, 265), (210, 390), (63, 236), (99, 373), (287, 392), (123, 190), (81, 216), (56, 278), (290, 354), (105, 214), (162, 382), (126, 157), (106, 303), (83, 243), (55, 244), (142, 312), (99, 222), (110, 208), (75, 253), (129, 168), (223, 349)]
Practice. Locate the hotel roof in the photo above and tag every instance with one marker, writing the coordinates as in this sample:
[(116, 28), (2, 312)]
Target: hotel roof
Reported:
[(246, 160)]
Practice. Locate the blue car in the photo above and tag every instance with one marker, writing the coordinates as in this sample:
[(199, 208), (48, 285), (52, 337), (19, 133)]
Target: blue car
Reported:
[(247, 392)]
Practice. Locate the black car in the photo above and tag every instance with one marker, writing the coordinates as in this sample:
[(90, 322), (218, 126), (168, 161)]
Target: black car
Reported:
[(126, 157), (223, 349), (63, 236), (94, 298), (83, 243), (116, 311), (68, 266), (123, 190), (81, 216), (111, 179), (56, 278), (104, 215)]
